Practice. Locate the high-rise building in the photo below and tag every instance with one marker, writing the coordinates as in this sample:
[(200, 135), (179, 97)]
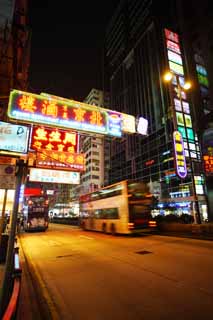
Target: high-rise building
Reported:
[(15, 38), (96, 149), (143, 40)]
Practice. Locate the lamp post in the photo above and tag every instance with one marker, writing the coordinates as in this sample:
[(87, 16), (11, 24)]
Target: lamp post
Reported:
[(168, 76)]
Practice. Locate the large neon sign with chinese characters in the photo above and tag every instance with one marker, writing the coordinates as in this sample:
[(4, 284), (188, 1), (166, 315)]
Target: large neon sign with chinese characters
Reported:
[(180, 161), (54, 139), (60, 160), (63, 113)]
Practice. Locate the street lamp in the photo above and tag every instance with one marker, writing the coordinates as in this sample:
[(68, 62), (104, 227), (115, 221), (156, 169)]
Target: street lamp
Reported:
[(180, 89)]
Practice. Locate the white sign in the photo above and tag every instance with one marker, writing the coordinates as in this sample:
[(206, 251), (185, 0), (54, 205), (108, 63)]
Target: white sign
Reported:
[(7, 177), (142, 126), (54, 176), (13, 138), (175, 57), (128, 123)]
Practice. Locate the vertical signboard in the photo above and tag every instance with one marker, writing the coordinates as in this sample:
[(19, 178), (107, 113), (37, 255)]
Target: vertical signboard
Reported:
[(182, 119), (180, 161)]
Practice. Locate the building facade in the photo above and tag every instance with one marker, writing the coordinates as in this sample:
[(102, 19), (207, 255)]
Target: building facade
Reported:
[(15, 39), (96, 149), (144, 40)]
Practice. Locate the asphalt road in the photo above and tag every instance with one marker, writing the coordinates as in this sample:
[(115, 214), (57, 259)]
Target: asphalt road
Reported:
[(92, 276)]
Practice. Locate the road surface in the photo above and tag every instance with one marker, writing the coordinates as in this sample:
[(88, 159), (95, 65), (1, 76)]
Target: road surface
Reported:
[(93, 276)]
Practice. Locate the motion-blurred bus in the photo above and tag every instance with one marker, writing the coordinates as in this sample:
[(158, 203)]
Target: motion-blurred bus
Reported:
[(121, 208)]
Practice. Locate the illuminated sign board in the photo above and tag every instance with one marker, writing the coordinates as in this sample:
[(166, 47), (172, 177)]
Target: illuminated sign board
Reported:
[(114, 123), (198, 180), (63, 113), (53, 139), (202, 70), (54, 176), (174, 57), (13, 138), (176, 68), (182, 131), (171, 35), (128, 123), (188, 120), (182, 119), (203, 80), (180, 160), (179, 117), (142, 126), (60, 160), (173, 46), (208, 164), (190, 134)]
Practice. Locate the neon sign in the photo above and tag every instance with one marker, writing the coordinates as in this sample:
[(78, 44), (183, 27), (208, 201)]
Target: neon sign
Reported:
[(208, 163), (63, 113), (180, 161), (54, 139), (182, 119), (60, 160)]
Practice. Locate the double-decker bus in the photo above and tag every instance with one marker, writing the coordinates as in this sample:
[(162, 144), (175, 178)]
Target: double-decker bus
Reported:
[(36, 213), (121, 208)]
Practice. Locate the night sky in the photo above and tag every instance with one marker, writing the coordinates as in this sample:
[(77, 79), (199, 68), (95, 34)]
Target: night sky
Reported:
[(66, 46)]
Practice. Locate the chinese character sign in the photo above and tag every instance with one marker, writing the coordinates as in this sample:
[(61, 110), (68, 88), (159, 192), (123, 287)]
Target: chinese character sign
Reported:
[(68, 114), (54, 176), (180, 161), (60, 160), (54, 140)]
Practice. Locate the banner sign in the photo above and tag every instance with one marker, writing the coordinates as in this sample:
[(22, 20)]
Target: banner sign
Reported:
[(63, 113), (180, 161), (53, 139), (60, 160), (54, 176), (13, 138)]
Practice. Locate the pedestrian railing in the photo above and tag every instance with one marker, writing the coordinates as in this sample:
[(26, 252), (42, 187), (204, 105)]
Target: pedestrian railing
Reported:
[(11, 309)]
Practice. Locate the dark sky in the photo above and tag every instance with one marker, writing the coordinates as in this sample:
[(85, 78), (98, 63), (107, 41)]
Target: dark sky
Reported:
[(67, 37)]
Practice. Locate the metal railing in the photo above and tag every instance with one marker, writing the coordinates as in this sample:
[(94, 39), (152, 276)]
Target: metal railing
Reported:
[(11, 308)]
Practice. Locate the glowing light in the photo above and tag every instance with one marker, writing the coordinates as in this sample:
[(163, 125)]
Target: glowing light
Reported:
[(168, 76), (187, 85)]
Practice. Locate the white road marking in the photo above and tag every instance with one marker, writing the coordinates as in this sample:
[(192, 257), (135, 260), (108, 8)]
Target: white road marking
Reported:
[(85, 237)]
